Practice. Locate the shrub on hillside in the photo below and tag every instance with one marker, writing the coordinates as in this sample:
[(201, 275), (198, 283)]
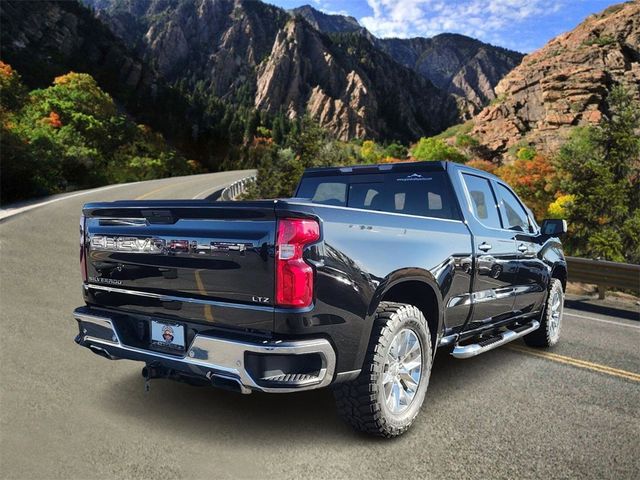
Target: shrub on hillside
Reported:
[(429, 149)]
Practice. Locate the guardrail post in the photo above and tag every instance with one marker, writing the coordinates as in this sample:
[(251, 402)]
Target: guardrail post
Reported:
[(601, 292)]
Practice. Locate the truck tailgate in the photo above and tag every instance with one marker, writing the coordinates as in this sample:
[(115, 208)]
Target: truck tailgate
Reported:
[(199, 260)]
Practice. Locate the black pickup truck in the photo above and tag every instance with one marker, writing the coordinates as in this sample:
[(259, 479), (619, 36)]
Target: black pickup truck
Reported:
[(354, 283)]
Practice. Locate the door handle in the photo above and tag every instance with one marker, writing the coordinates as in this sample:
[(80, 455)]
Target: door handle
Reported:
[(484, 246), (522, 248)]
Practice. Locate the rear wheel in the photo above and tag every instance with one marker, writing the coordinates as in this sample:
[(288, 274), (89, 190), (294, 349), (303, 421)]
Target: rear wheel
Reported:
[(551, 321), (387, 395)]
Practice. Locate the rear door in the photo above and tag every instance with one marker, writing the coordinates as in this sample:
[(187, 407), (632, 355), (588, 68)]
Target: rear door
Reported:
[(200, 261), (495, 260)]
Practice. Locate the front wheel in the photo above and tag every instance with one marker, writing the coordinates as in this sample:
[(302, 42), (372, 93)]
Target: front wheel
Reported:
[(387, 395), (551, 321)]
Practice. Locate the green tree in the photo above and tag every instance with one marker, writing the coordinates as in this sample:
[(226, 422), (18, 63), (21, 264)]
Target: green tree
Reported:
[(396, 150), (278, 130), (253, 121), (428, 149), (29, 167), (600, 167)]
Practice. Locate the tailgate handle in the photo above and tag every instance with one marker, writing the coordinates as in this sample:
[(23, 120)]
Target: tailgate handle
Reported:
[(158, 216)]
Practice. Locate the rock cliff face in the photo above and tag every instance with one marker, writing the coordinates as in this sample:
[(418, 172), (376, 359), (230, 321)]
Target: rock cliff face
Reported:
[(218, 42), (565, 83), (301, 75), (307, 72)]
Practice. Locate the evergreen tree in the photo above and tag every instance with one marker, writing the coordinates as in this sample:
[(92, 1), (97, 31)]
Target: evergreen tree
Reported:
[(600, 167), (253, 121)]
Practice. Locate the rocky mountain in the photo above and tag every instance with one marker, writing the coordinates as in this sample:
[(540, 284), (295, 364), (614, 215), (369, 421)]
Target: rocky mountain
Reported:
[(564, 84), (219, 42), (459, 65), (256, 54)]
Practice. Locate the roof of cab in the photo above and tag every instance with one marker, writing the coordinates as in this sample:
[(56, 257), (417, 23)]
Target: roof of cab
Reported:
[(430, 166)]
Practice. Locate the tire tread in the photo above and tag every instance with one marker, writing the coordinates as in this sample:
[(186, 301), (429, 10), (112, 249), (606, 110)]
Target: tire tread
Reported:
[(356, 401)]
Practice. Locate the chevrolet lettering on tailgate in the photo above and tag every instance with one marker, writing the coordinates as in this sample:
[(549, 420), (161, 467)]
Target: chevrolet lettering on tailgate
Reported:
[(162, 246)]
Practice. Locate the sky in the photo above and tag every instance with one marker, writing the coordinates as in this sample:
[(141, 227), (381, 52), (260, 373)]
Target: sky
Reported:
[(522, 25)]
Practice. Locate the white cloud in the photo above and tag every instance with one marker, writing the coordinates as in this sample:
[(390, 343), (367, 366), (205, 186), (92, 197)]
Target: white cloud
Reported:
[(490, 20), (326, 7)]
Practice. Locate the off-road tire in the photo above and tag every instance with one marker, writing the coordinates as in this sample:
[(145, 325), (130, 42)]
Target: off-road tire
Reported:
[(546, 336), (361, 402)]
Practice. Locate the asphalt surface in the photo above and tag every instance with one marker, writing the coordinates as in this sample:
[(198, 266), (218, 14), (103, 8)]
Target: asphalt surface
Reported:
[(510, 413)]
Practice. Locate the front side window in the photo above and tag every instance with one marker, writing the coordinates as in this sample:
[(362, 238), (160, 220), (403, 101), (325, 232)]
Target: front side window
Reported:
[(514, 215), (483, 200)]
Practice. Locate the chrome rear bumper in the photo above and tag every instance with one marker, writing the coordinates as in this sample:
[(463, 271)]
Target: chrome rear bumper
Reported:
[(213, 358)]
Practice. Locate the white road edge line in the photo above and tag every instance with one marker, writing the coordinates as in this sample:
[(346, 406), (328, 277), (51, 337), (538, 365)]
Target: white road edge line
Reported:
[(10, 212), (602, 320)]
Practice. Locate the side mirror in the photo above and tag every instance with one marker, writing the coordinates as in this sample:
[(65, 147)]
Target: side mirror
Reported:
[(553, 227)]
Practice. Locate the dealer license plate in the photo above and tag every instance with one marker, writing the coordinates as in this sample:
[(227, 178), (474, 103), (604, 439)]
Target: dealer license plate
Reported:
[(167, 335)]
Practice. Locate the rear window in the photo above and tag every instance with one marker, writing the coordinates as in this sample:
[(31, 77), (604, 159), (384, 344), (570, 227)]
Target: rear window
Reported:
[(426, 194)]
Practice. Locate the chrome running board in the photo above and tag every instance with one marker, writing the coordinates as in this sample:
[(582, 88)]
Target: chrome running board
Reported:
[(473, 349)]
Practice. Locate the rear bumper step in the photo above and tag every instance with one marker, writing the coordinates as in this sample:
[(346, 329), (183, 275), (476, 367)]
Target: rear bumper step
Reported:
[(473, 349), (269, 366)]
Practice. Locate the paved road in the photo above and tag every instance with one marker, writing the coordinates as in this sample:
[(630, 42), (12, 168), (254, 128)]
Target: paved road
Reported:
[(510, 413)]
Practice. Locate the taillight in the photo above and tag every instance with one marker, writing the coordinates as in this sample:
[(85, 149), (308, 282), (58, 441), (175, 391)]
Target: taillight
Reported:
[(294, 277), (83, 257)]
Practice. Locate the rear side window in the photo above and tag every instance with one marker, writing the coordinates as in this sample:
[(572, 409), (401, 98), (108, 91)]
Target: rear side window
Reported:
[(426, 194), (330, 193), (483, 201)]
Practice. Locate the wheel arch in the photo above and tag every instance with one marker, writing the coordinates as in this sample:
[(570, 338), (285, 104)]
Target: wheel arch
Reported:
[(559, 271), (416, 287)]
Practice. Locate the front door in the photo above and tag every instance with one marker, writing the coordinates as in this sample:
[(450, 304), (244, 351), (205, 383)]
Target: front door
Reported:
[(533, 274)]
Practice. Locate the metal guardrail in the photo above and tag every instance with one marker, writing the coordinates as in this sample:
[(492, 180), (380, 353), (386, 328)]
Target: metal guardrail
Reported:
[(604, 274), (236, 188)]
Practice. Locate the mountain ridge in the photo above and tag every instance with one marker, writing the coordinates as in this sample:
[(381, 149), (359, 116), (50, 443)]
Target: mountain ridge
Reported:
[(224, 44)]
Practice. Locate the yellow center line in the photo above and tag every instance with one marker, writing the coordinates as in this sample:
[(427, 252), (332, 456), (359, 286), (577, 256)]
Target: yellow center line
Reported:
[(596, 367)]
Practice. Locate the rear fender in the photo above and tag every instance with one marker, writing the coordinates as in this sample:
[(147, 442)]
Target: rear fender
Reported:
[(388, 289)]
